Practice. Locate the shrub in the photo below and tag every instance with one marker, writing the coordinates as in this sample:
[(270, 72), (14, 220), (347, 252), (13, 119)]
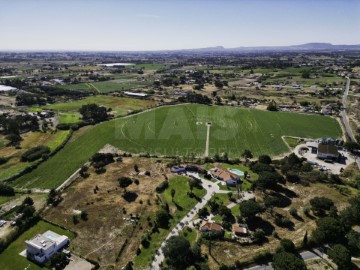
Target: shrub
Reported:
[(3, 160), (35, 153), (162, 186), (6, 190)]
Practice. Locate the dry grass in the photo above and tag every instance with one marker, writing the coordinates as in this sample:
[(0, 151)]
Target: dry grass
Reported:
[(230, 252), (101, 237)]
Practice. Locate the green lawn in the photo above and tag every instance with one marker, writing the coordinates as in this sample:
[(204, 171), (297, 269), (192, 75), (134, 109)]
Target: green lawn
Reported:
[(10, 258), (181, 198), (69, 118), (292, 142), (120, 106), (176, 131)]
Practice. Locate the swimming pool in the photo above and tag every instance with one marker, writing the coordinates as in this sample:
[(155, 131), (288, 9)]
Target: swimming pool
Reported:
[(236, 171)]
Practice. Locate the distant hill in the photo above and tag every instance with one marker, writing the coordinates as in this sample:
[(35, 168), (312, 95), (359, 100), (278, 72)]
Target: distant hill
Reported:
[(315, 46)]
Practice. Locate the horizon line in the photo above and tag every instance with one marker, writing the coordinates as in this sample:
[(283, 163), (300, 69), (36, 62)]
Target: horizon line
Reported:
[(220, 47)]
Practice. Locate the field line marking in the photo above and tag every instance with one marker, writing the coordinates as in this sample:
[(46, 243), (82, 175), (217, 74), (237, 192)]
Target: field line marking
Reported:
[(207, 140), (122, 131), (94, 87)]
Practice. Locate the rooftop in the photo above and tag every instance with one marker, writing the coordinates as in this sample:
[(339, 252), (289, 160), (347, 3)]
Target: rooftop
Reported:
[(328, 149)]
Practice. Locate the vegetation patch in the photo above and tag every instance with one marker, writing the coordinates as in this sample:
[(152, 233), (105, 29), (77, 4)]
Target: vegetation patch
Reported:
[(10, 258)]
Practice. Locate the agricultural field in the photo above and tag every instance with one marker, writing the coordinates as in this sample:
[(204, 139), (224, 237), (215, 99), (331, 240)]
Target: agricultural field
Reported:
[(10, 258), (109, 213), (107, 86), (30, 139), (68, 111), (181, 130)]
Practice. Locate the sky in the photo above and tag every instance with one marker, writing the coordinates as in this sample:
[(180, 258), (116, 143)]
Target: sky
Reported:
[(133, 25)]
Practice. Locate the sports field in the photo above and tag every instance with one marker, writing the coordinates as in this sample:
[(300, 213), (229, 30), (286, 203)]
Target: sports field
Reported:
[(180, 130)]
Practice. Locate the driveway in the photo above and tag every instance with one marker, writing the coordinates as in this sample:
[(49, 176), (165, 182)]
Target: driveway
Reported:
[(316, 253), (211, 188), (333, 167)]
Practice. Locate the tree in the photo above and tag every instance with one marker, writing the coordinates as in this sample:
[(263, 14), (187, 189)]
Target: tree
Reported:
[(124, 181), (249, 209), (28, 211), (286, 245), (272, 106), (341, 256), (162, 218), (203, 212), (172, 194), (352, 146), (177, 252), (6, 190), (269, 180), (353, 241), (271, 202), (320, 204), (14, 139), (259, 236), (214, 206), (305, 74), (93, 112), (84, 215), (58, 261), (287, 261), (329, 230), (192, 183), (264, 159), (305, 241), (28, 201), (247, 154)]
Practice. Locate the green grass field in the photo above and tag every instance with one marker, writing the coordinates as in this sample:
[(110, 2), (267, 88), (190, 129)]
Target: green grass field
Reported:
[(106, 86), (120, 106), (10, 258), (180, 130), (14, 165)]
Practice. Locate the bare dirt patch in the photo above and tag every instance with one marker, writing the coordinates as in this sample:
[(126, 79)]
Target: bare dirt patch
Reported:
[(101, 237)]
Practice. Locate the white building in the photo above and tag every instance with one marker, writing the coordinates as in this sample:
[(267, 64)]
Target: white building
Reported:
[(43, 246)]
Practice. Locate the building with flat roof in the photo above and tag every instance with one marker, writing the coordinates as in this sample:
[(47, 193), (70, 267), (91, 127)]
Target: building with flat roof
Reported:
[(43, 246), (327, 151)]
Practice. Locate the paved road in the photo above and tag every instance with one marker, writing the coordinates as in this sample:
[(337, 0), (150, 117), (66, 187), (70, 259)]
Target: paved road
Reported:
[(345, 118), (210, 188), (343, 111)]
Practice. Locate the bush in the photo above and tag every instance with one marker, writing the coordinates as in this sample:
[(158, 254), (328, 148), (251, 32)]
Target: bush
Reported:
[(3, 160), (104, 158), (162, 186), (84, 215), (6, 190), (35, 153)]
